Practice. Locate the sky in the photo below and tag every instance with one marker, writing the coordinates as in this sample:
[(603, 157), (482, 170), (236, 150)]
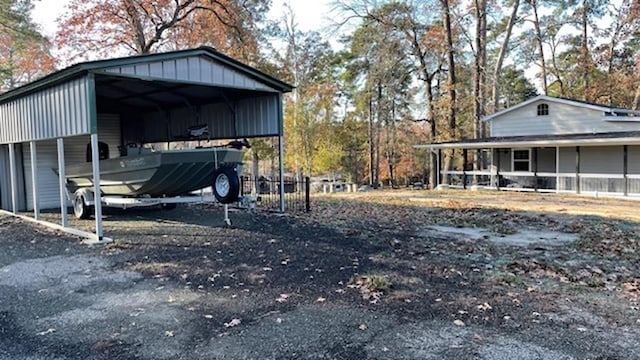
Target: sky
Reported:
[(310, 15)]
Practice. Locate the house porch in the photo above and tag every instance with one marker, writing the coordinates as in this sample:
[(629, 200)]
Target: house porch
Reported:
[(605, 165)]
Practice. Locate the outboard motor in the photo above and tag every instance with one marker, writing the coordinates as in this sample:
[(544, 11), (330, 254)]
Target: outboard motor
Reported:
[(239, 144)]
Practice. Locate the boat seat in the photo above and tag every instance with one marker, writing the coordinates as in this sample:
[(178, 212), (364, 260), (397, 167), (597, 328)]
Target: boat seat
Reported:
[(103, 151), (131, 150)]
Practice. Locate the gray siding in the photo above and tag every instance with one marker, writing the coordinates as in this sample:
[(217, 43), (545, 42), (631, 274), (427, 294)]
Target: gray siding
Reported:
[(601, 160), (568, 160), (633, 153), (194, 69), (254, 117), (504, 159), (74, 152), (562, 119), (546, 160), (5, 178), (59, 111)]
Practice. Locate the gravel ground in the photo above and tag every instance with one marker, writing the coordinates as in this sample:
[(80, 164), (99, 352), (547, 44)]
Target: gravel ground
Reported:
[(367, 276)]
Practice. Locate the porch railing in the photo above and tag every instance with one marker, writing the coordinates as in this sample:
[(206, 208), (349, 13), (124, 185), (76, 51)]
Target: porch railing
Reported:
[(581, 183)]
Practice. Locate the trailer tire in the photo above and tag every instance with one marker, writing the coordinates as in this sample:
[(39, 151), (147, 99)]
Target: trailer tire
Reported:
[(226, 185), (80, 208)]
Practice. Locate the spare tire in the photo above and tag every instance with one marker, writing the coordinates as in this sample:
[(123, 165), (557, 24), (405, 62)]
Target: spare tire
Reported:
[(226, 185)]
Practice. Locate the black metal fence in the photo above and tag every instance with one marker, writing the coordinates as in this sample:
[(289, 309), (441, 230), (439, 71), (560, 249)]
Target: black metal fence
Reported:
[(264, 193)]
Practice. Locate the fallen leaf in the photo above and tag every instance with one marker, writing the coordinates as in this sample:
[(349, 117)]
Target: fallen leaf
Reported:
[(458, 322), (232, 323), (48, 331)]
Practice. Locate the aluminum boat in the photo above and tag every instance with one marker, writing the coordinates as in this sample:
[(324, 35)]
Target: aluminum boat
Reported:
[(142, 172)]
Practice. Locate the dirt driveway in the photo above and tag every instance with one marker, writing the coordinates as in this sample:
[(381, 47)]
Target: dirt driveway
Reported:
[(379, 275)]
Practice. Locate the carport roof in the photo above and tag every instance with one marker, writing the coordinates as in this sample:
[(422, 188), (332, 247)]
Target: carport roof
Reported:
[(96, 66)]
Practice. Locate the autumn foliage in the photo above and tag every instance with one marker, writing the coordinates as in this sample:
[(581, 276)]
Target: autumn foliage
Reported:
[(104, 28)]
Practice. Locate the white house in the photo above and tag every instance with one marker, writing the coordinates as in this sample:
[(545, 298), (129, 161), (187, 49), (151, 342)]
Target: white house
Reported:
[(552, 144)]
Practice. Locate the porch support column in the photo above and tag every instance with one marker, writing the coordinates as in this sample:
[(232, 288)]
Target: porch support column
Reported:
[(577, 169), (34, 180), (440, 176), (13, 175), (95, 157), (557, 169), (492, 178), (498, 169), (464, 168), (625, 168), (534, 155)]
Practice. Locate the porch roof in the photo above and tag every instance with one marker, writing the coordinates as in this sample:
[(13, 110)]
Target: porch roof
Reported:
[(565, 140)]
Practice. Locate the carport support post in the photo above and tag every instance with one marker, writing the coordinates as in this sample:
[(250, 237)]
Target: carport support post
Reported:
[(34, 180), (61, 180), (12, 174), (281, 172), (95, 157)]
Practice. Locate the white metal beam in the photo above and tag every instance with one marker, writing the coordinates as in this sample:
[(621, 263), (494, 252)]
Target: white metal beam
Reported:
[(95, 157), (34, 180), (61, 181), (14, 178), (281, 172)]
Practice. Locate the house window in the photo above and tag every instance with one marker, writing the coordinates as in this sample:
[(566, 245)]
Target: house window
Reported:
[(521, 160), (543, 109)]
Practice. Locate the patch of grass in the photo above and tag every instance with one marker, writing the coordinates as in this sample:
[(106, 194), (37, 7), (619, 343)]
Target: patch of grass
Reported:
[(509, 279), (371, 287)]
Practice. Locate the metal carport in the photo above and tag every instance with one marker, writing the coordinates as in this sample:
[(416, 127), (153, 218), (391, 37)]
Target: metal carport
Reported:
[(146, 98)]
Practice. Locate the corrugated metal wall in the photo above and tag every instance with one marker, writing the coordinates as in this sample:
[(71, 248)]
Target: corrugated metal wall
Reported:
[(5, 178), (59, 111), (195, 69), (254, 117), (74, 152)]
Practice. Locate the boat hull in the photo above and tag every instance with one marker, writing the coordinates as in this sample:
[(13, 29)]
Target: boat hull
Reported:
[(155, 174)]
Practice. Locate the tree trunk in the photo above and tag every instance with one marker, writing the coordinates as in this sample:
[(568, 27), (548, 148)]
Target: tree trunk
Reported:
[(451, 79), (255, 161), (585, 51), (480, 80), (543, 65), (371, 145), (504, 48)]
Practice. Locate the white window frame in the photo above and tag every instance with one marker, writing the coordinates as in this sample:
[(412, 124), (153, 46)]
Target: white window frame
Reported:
[(543, 108), (513, 160)]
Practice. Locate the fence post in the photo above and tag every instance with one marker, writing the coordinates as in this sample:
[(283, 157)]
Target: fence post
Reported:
[(307, 192)]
